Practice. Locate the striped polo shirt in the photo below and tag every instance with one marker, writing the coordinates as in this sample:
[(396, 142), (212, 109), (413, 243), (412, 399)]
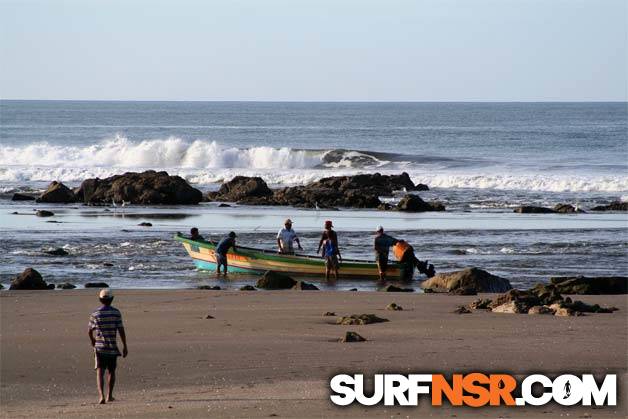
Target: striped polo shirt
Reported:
[(106, 321)]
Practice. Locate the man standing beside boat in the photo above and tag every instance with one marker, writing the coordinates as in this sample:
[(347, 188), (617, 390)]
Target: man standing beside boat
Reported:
[(286, 237)]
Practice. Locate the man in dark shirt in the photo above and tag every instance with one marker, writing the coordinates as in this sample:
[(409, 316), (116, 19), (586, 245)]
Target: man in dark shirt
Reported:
[(195, 236), (382, 245), (104, 324), (221, 251)]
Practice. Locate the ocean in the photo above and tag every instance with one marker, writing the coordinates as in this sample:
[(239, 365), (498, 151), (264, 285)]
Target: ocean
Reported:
[(480, 159)]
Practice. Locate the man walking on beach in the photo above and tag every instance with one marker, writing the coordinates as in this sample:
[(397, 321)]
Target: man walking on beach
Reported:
[(221, 251), (286, 237), (382, 245), (104, 324)]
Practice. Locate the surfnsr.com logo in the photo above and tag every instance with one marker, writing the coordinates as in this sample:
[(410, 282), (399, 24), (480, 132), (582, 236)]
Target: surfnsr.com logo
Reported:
[(474, 390)]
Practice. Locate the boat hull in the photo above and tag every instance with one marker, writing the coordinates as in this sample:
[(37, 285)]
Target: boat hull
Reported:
[(258, 261)]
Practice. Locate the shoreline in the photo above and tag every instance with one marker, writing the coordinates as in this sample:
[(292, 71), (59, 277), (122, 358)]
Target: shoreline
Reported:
[(263, 349)]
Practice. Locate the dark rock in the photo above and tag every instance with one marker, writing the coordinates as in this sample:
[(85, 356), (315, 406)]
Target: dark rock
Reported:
[(393, 288), (360, 319), (30, 279), (462, 310), (591, 285), (394, 307), (241, 187), (476, 278), (525, 209), (66, 286), (57, 252), (44, 213), (463, 291), (329, 313), (145, 224), (208, 287), (615, 206), (352, 337), (480, 304), (304, 286), (57, 193), (146, 188), (22, 197), (96, 285), (272, 280), (247, 288), (567, 209), (414, 203)]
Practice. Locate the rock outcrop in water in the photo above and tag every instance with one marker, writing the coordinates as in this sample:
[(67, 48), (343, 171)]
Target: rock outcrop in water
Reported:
[(359, 191), (468, 279), (615, 206), (30, 279), (57, 193), (146, 188)]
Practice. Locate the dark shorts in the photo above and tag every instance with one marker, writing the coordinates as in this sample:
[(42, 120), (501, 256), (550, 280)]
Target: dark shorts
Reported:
[(105, 361), (382, 262), (221, 259), (331, 262)]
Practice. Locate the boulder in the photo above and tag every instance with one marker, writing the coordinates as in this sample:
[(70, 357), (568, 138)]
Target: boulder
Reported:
[(352, 337), (360, 319), (248, 288), (241, 187), (394, 307), (527, 209), (57, 252), (146, 188), (475, 278), (304, 286), (96, 285), (567, 209), (272, 280), (615, 206), (30, 279), (44, 213), (540, 310), (414, 203), (57, 193), (591, 285), (66, 286), (22, 197), (393, 288)]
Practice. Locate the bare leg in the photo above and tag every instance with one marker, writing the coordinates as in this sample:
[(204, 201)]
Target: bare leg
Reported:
[(111, 380), (100, 377)]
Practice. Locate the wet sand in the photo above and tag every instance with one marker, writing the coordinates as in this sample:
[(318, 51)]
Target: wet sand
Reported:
[(272, 353)]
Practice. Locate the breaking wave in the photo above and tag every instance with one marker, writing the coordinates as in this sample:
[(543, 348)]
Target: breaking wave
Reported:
[(208, 162)]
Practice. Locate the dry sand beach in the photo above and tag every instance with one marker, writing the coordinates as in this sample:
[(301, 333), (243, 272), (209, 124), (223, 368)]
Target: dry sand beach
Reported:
[(272, 353)]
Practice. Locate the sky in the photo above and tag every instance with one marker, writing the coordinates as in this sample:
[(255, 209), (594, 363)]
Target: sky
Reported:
[(322, 50)]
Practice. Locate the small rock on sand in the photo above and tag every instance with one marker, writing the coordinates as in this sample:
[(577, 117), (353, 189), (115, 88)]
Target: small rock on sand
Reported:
[(352, 337), (462, 310), (394, 307), (360, 319)]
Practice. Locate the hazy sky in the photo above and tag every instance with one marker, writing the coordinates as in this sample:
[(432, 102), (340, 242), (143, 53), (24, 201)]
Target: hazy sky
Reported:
[(314, 50)]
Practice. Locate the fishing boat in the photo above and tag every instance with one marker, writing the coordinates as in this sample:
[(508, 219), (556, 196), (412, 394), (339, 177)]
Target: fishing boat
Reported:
[(257, 261)]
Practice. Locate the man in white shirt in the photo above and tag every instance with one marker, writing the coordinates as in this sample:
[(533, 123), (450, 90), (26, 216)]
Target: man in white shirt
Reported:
[(286, 237)]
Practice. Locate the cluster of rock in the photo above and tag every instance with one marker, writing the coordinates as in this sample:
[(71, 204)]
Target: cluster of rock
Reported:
[(146, 188), (541, 299), (359, 191), (569, 209), (468, 281)]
